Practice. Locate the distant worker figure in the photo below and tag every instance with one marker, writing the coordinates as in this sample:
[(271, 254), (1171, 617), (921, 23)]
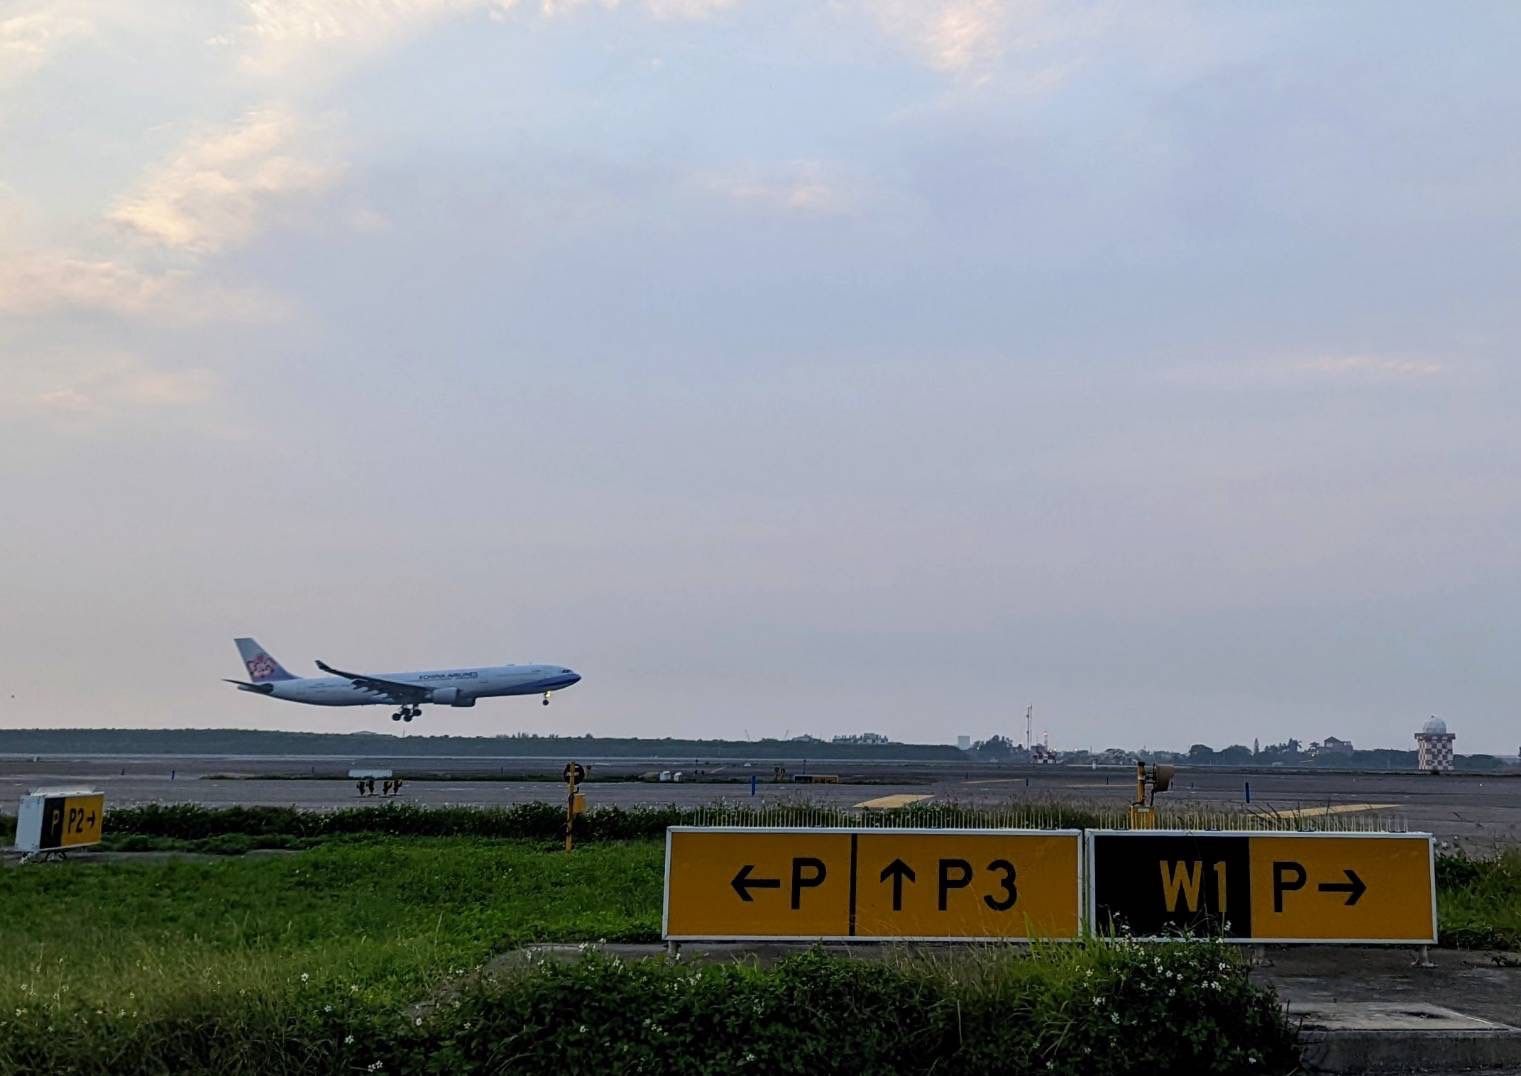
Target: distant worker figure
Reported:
[(359, 784), (388, 786), (370, 785)]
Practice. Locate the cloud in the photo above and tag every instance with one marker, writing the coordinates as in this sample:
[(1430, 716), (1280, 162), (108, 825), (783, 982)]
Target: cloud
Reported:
[(93, 391), (687, 9), (39, 282), (1322, 369), (1367, 367), (280, 33), (660, 9), (215, 191), (805, 187), (948, 35), (279, 27), (29, 40)]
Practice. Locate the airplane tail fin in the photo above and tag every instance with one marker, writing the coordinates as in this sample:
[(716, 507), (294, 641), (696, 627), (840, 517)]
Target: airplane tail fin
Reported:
[(262, 668)]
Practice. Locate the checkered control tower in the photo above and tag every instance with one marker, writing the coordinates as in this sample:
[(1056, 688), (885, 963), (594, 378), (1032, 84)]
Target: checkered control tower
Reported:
[(1433, 747)]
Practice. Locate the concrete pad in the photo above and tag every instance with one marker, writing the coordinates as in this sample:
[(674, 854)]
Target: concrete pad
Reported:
[(1386, 1016), (1401, 1036)]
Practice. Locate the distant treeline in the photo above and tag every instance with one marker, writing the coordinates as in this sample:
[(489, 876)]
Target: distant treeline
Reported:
[(1290, 754), (358, 744)]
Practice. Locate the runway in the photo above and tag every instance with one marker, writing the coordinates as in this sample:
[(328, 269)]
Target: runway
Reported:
[(1478, 809)]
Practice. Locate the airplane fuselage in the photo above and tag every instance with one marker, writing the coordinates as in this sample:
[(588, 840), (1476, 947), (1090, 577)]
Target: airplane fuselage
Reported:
[(445, 687)]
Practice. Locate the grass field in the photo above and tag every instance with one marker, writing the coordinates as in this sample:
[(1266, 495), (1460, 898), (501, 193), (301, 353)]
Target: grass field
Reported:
[(393, 913), (384, 915), (371, 955), (1479, 901), (325, 959)]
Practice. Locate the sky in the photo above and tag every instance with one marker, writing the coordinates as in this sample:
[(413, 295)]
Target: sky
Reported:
[(780, 366)]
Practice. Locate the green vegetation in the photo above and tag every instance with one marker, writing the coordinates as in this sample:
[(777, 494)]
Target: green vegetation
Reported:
[(140, 828), (189, 827), (393, 913), (1088, 1009), (386, 942), (1479, 900)]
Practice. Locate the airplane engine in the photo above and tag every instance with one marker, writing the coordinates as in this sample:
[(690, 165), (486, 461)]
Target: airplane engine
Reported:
[(450, 696)]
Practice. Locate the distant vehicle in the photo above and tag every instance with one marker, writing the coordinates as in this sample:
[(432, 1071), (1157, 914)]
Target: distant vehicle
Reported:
[(406, 691)]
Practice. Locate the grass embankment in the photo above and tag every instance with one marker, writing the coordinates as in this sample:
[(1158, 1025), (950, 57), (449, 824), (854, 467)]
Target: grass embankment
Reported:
[(387, 914), (325, 961), (367, 954), (1479, 901), (245, 964)]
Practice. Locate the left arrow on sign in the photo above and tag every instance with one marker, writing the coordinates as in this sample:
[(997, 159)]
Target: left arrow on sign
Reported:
[(1354, 886), (743, 883)]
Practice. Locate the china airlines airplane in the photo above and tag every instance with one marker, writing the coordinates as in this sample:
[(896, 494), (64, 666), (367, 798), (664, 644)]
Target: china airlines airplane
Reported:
[(406, 691)]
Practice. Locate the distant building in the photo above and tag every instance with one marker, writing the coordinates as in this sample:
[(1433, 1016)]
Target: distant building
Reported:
[(1433, 747), (1333, 746), (874, 738), (964, 742)]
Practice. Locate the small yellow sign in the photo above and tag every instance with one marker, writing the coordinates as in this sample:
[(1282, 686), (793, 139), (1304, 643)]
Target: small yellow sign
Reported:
[(740, 883), (73, 821), (1342, 888)]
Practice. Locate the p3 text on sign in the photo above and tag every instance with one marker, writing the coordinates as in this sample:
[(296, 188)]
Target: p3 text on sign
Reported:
[(738, 883), (1269, 887)]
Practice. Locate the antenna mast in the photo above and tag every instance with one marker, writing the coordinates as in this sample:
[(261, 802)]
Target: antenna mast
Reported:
[(1029, 728)]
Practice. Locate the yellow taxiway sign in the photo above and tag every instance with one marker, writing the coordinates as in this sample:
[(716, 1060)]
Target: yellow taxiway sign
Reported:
[(741, 883)]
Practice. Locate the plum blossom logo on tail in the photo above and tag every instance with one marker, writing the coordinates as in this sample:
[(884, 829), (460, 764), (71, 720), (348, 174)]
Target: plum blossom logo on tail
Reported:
[(261, 667)]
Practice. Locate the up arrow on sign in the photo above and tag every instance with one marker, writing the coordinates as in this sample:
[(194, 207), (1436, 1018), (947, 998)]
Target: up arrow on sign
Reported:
[(897, 870)]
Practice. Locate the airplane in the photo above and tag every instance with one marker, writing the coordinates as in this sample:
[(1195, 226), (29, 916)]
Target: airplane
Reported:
[(406, 691)]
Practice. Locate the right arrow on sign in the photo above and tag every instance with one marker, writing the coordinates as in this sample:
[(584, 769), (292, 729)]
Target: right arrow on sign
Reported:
[(743, 883), (897, 870), (1354, 886)]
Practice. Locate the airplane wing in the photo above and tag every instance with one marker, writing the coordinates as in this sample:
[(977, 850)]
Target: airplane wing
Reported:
[(389, 690)]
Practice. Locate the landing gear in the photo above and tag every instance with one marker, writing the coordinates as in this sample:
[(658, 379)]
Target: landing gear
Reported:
[(407, 713), (396, 716), (546, 698)]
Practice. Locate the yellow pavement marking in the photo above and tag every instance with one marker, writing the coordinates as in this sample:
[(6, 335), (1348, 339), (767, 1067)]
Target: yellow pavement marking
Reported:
[(899, 800), (1340, 808), (1046, 784)]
